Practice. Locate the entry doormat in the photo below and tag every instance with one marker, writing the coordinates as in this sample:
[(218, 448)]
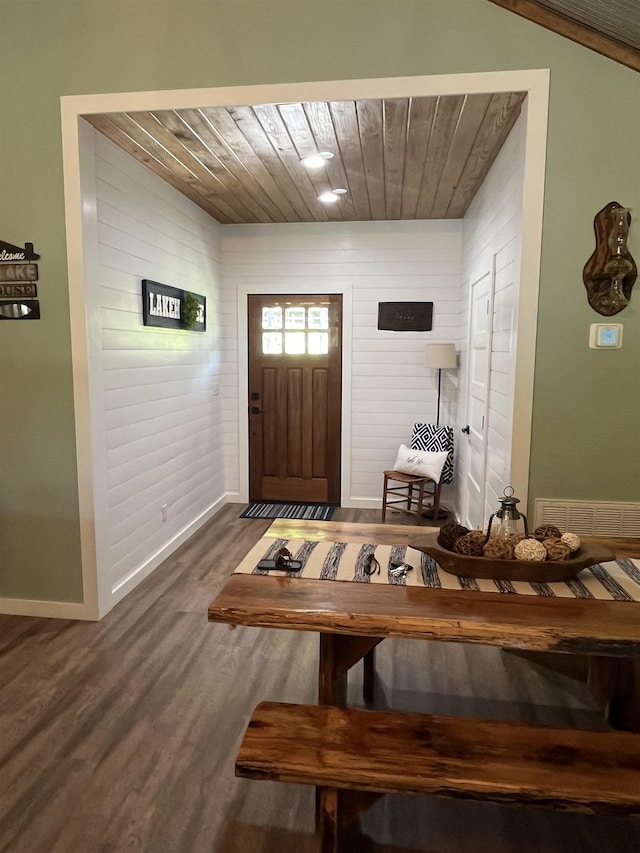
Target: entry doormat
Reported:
[(312, 512)]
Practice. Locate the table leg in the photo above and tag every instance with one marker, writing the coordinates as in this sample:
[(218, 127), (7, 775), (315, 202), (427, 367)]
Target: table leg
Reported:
[(332, 678), (369, 675), (616, 683)]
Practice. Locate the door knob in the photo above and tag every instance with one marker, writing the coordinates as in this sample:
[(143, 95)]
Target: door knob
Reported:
[(255, 410), (466, 429)]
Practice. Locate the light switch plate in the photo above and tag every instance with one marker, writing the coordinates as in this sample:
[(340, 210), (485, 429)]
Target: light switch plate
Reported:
[(605, 335)]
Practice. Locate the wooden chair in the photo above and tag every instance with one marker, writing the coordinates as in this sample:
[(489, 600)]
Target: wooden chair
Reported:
[(412, 495), (419, 496)]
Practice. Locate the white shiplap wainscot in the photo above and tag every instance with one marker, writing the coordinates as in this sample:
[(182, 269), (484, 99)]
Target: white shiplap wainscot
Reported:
[(158, 443), (493, 241), (370, 262)]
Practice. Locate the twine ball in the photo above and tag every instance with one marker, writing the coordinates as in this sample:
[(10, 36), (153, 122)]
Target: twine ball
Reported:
[(449, 532), (530, 549), (546, 531), (468, 545), (557, 549), (498, 549), (572, 540), (480, 535)]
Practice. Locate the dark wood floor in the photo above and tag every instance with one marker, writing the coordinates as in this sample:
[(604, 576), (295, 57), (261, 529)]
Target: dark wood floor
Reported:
[(121, 735)]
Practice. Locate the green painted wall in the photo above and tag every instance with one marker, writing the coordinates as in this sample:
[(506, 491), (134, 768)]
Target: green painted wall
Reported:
[(587, 404)]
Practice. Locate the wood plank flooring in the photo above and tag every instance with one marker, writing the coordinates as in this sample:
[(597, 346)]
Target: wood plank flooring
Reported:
[(121, 735)]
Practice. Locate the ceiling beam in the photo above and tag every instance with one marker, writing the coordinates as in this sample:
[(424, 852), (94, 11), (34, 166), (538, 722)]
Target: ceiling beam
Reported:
[(571, 29)]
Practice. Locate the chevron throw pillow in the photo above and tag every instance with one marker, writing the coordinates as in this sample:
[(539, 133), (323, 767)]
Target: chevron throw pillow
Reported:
[(434, 439)]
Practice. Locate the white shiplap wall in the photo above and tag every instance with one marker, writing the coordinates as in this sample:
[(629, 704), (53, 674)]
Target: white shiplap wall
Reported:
[(156, 393), (371, 262), (493, 227)]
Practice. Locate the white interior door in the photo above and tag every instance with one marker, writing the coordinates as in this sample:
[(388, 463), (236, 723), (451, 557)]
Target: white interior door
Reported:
[(480, 330)]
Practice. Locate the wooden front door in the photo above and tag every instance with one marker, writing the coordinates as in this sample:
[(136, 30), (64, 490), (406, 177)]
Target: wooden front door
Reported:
[(295, 398)]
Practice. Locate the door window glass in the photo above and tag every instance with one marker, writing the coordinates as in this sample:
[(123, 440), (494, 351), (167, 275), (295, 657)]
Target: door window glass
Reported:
[(318, 343), (272, 343), (295, 330), (295, 343), (294, 318), (272, 317), (318, 317)]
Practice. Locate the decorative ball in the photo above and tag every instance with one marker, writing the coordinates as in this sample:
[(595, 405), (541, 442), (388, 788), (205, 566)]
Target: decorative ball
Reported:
[(546, 531), (557, 549), (480, 535), (468, 545), (449, 532), (530, 549), (572, 540), (498, 549)]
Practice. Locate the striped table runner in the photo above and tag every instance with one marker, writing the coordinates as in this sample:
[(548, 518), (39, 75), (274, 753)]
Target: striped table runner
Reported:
[(618, 580)]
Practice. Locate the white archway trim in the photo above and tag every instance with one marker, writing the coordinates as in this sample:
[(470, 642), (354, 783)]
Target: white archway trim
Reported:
[(534, 82)]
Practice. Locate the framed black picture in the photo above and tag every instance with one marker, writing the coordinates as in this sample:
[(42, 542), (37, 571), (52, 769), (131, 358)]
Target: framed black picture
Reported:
[(405, 316)]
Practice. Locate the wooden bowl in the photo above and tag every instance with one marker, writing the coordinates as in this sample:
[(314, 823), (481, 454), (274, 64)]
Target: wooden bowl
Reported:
[(546, 571)]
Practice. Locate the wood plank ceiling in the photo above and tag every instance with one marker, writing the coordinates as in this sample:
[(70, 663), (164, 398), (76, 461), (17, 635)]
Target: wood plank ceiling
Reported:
[(610, 27), (401, 158)]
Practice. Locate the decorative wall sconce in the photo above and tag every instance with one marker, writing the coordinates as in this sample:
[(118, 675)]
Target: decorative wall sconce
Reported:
[(610, 272)]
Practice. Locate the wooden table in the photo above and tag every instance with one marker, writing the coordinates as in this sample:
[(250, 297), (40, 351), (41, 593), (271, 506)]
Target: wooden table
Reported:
[(351, 618)]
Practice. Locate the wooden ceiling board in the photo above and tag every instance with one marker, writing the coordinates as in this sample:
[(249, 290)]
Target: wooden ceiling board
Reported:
[(609, 27), (444, 126), (223, 125), (420, 125), (399, 158), (395, 126), (464, 136), (196, 135), (493, 131), (345, 121)]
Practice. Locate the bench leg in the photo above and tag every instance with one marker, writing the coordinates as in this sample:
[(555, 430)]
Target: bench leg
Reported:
[(339, 820), (329, 820)]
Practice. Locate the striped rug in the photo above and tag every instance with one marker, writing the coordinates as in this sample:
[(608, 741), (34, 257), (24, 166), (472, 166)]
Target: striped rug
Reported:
[(312, 512), (618, 580)]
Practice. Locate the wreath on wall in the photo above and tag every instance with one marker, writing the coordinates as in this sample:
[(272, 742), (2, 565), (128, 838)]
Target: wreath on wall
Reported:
[(190, 310)]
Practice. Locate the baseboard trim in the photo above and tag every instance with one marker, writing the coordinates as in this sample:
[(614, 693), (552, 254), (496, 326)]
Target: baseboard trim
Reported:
[(361, 503), (47, 609), (131, 581)]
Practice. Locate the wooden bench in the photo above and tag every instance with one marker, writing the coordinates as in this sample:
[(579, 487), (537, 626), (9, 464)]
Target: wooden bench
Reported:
[(381, 752)]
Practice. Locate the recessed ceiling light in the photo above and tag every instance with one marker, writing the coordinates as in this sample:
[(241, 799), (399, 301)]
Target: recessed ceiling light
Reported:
[(331, 196), (317, 161)]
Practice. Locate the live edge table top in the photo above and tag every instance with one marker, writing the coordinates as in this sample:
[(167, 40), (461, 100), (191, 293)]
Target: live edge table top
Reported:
[(577, 626)]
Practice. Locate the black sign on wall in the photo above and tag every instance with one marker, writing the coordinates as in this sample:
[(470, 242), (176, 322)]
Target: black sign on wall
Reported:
[(18, 277), (405, 316), (172, 308)]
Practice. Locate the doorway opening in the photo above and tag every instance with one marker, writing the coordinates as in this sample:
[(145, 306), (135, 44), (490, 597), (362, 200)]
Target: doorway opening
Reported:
[(101, 594)]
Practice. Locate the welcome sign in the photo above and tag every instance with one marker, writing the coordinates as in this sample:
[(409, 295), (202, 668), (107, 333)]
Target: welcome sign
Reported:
[(18, 282), (172, 308)]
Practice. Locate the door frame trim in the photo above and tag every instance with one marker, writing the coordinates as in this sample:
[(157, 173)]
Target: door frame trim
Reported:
[(243, 292)]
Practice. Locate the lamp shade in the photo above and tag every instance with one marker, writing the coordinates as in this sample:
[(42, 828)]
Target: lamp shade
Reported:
[(441, 355)]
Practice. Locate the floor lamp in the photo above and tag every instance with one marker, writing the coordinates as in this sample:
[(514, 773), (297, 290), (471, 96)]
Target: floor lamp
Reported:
[(441, 356)]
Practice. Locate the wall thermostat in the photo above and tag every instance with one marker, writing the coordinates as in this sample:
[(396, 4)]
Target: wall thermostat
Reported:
[(605, 336)]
